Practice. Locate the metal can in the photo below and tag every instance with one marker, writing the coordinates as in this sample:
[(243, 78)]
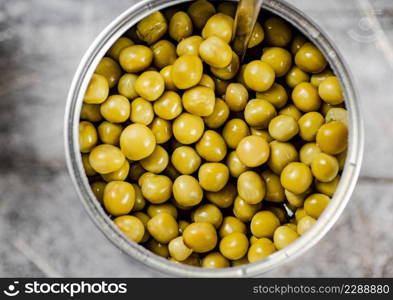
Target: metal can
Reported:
[(74, 161)]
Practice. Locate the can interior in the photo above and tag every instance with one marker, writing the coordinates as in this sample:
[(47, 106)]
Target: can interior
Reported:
[(74, 162)]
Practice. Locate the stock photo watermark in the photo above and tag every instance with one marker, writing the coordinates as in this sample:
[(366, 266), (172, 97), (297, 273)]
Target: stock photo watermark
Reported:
[(367, 31), (66, 288)]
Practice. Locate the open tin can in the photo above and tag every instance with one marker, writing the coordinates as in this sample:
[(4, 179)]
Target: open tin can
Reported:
[(74, 160)]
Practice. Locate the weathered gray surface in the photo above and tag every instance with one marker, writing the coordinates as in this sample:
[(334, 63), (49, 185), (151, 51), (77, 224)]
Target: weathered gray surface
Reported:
[(43, 228)]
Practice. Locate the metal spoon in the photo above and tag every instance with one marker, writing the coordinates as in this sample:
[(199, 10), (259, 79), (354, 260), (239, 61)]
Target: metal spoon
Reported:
[(246, 16)]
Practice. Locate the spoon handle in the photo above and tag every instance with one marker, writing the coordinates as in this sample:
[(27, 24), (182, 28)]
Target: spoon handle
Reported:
[(246, 16)]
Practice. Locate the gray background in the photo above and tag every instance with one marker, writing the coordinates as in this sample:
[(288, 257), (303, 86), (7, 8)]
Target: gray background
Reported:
[(44, 230)]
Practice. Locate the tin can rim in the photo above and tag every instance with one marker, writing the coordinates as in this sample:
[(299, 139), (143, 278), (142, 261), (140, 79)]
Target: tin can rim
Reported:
[(74, 162)]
